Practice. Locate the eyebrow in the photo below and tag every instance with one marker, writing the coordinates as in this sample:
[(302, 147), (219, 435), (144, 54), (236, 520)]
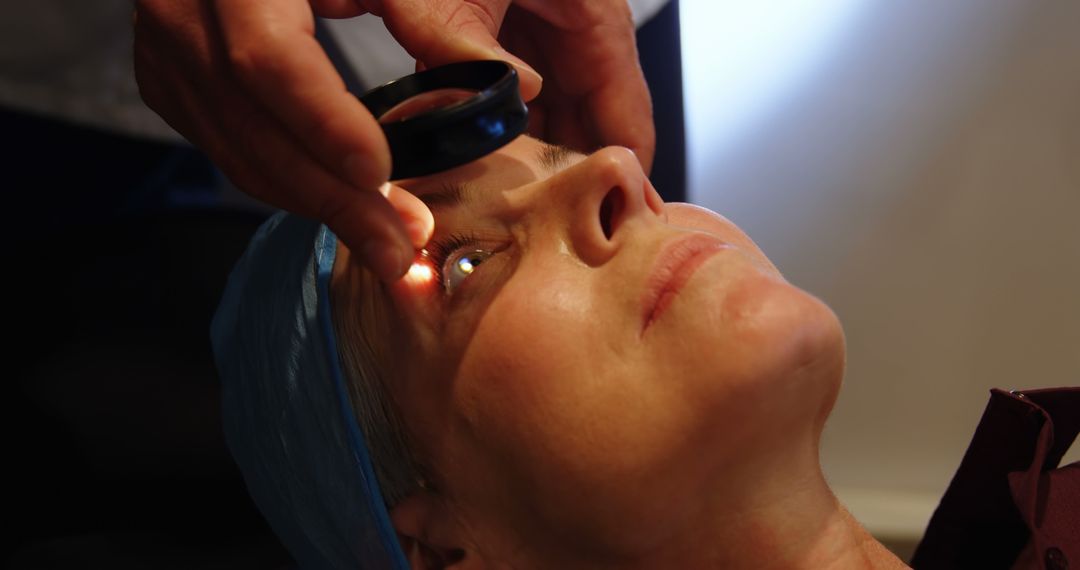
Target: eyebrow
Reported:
[(449, 195), (552, 157)]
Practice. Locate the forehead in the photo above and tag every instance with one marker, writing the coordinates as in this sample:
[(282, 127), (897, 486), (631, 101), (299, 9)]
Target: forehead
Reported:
[(522, 161)]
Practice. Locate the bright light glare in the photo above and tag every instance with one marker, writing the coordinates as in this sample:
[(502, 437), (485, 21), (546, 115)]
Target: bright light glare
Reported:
[(740, 57), (420, 272)]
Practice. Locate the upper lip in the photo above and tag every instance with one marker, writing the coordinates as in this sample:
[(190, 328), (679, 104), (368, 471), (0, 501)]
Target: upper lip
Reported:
[(674, 265)]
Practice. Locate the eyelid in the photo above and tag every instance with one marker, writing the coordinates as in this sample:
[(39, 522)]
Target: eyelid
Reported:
[(442, 250)]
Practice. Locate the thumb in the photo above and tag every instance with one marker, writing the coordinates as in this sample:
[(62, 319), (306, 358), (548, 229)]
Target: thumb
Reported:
[(419, 222), (439, 32)]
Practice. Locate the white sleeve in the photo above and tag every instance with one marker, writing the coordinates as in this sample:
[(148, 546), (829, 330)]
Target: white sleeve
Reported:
[(644, 10)]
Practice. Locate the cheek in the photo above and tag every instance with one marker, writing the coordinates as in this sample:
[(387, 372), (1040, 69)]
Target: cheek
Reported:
[(563, 423), (521, 398), (523, 365)]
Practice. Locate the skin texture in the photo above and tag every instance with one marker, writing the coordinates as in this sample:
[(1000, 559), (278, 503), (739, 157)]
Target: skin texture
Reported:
[(564, 429), (248, 83)]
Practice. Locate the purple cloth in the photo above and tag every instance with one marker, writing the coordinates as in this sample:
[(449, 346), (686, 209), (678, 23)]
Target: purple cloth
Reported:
[(1010, 502)]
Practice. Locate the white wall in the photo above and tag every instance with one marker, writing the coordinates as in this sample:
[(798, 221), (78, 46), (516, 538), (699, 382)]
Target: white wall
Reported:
[(915, 164)]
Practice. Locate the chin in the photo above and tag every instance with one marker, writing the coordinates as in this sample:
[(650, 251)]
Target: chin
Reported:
[(768, 357)]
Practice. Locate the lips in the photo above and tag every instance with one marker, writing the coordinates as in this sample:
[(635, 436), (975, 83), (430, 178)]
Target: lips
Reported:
[(673, 267)]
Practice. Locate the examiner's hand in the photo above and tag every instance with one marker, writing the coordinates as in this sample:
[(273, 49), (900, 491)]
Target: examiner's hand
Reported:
[(594, 91), (594, 94), (248, 83)]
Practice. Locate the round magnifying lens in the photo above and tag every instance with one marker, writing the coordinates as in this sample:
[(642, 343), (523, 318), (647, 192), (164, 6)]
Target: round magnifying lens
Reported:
[(446, 116), (426, 102)]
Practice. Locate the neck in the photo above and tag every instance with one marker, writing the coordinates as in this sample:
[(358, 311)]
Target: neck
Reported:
[(805, 530), (792, 522)]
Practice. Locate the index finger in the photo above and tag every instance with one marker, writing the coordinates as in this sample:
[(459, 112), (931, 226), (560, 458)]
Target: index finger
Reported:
[(272, 50), (437, 32), (622, 115), (600, 64)]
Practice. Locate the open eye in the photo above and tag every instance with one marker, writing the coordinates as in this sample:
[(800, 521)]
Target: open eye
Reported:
[(460, 265)]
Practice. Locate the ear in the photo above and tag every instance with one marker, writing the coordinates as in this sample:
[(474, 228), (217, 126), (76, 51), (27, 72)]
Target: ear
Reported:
[(430, 535)]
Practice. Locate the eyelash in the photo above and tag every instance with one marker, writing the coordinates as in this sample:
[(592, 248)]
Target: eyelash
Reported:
[(440, 251)]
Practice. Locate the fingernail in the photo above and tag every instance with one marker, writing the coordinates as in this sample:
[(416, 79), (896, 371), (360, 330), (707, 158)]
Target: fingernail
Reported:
[(364, 170), (530, 71), (519, 64), (384, 258)]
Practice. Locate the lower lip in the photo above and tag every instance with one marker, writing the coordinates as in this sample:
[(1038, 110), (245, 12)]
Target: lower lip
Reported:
[(675, 278)]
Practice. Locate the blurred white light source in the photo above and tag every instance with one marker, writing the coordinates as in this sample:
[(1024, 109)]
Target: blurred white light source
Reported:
[(741, 56), (420, 272)]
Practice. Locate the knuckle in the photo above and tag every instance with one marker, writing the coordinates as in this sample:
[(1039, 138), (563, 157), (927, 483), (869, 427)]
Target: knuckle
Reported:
[(252, 59), (245, 59), (486, 13)]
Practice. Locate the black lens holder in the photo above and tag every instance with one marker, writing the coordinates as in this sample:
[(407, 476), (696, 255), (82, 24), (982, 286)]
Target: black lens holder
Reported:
[(450, 136)]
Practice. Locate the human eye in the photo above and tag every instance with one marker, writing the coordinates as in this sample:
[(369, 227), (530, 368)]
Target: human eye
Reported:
[(456, 258)]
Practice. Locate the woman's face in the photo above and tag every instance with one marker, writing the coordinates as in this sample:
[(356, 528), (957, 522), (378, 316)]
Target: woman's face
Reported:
[(591, 361)]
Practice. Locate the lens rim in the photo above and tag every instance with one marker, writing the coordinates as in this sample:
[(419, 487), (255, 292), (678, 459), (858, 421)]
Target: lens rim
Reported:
[(444, 138)]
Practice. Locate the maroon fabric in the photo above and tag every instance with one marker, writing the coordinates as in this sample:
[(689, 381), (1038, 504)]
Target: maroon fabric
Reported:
[(1009, 492)]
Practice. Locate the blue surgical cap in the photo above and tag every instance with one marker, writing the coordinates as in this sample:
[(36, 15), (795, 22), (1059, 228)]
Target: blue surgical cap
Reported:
[(287, 416)]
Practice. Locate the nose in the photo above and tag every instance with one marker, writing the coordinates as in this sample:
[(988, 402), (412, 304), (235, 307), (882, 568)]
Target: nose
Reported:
[(596, 203)]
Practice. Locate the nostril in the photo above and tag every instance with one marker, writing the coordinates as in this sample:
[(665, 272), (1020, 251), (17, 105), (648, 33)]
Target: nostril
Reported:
[(610, 210)]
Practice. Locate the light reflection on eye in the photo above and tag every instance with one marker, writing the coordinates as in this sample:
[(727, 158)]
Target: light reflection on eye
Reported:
[(460, 265)]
